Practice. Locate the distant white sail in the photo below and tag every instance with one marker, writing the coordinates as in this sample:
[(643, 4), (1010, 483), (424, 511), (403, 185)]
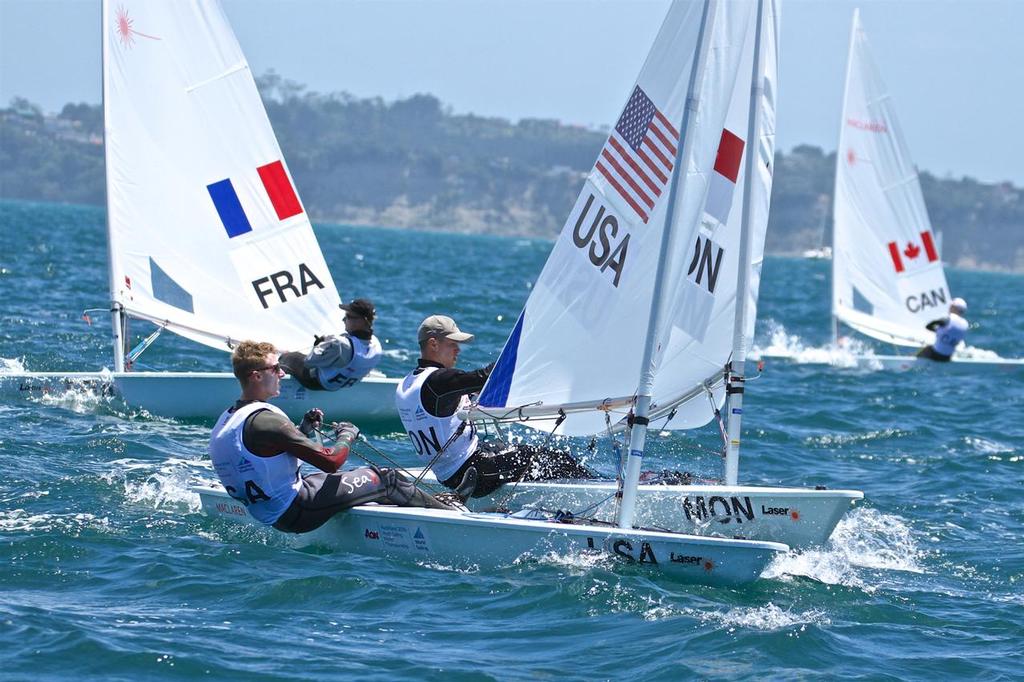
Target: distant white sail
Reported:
[(207, 232), (888, 281), (581, 335)]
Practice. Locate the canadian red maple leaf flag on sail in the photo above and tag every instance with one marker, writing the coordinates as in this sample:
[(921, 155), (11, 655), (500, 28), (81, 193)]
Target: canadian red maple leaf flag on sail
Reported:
[(904, 256)]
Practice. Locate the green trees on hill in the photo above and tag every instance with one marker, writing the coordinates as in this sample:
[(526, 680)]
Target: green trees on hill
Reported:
[(414, 163)]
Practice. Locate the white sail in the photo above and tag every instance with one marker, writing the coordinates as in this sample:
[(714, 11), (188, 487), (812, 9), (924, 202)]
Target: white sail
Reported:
[(888, 281), (581, 336), (207, 233), (713, 352)]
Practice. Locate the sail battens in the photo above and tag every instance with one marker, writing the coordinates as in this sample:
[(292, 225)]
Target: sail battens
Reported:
[(224, 74)]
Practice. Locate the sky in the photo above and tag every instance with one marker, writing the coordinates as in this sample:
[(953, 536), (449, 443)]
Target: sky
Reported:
[(955, 69)]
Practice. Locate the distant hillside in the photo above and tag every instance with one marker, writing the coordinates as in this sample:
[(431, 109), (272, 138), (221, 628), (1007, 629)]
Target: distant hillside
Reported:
[(412, 163)]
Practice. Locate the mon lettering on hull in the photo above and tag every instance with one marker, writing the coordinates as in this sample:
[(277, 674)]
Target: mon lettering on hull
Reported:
[(719, 508)]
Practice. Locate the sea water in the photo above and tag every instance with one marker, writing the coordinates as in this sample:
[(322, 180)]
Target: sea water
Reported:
[(108, 570)]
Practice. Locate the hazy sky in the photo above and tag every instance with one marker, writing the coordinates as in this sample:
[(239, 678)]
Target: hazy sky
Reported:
[(954, 69)]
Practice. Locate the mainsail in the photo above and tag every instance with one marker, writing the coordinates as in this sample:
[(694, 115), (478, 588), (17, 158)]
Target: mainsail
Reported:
[(207, 233), (888, 281), (581, 336)]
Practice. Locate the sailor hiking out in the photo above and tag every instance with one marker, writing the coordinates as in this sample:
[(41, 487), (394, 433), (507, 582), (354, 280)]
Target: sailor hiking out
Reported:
[(257, 453), (339, 361), (428, 401), (949, 331)]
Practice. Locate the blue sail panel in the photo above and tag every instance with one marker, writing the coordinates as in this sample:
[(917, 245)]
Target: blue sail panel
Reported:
[(495, 393)]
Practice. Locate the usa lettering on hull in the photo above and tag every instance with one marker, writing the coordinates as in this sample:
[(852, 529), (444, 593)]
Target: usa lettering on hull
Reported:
[(624, 548)]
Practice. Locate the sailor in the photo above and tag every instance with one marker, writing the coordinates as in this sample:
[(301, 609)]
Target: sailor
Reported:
[(339, 361), (257, 452), (949, 332), (428, 400)]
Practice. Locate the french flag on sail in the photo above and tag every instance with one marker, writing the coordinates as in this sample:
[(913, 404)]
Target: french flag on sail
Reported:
[(279, 190), (723, 180), (911, 252)]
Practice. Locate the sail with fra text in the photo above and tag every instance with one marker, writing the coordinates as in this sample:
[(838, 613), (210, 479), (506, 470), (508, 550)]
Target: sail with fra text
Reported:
[(208, 235)]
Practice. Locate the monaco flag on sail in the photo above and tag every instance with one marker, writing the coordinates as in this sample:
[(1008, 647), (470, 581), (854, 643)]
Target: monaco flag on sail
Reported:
[(723, 180), (279, 190), (638, 157), (912, 251)]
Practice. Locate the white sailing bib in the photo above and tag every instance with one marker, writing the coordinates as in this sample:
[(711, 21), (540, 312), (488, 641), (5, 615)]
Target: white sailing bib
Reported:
[(429, 433), (949, 335), (365, 356), (265, 485)]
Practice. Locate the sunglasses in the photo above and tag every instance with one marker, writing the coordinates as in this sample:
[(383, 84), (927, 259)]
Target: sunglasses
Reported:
[(275, 367)]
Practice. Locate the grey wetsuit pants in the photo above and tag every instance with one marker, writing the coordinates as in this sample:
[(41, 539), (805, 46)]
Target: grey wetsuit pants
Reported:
[(324, 495)]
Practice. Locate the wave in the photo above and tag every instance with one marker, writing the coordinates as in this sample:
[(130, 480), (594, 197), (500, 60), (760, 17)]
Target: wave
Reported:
[(71, 524), (849, 352), (768, 617), (864, 539), (987, 446), (76, 397), (169, 487), (12, 365)]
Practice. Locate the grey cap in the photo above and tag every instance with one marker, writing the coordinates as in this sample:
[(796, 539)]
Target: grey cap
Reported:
[(441, 326)]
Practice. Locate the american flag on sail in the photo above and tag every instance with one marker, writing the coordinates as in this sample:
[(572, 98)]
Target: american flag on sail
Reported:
[(638, 157)]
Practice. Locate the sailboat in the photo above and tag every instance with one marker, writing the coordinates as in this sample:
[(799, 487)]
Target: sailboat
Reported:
[(634, 251), (570, 364), (888, 281), (207, 236)]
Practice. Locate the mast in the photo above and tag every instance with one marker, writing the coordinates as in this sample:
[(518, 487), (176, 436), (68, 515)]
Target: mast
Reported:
[(638, 430), (117, 319), (835, 187), (734, 388)]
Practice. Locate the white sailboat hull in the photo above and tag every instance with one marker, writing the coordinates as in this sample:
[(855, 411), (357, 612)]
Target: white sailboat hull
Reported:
[(204, 395), (905, 362), (493, 540), (798, 517)]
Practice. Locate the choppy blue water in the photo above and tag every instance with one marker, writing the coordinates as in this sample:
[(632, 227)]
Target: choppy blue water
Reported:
[(109, 571)]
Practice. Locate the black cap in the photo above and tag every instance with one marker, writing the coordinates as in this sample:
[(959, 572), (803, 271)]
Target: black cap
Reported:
[(363, 307)]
